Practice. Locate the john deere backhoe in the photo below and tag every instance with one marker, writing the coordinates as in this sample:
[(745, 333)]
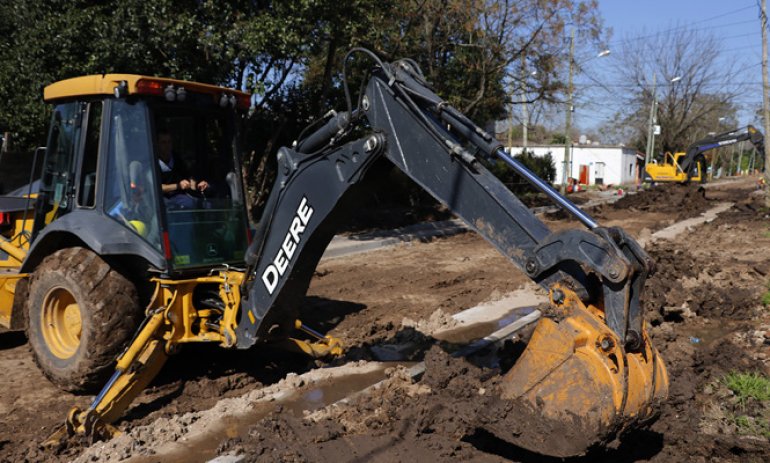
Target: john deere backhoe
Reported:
[(100, 264), (689, 166)]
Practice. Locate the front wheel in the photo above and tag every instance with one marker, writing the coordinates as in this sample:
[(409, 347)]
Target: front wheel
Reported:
[(81, 314)]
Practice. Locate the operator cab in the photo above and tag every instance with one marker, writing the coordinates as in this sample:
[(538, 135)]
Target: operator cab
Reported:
[(158, 157)]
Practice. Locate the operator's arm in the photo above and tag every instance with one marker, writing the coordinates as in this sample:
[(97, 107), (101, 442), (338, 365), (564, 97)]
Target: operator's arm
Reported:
[(173, 187), (178, 180)]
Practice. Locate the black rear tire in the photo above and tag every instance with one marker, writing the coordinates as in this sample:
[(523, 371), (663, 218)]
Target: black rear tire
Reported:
[(81, 314)]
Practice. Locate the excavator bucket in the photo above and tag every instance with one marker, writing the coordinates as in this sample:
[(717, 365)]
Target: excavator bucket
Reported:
[(575, 386)]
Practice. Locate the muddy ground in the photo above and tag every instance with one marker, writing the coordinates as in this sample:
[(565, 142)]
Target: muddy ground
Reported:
[(703, 305)]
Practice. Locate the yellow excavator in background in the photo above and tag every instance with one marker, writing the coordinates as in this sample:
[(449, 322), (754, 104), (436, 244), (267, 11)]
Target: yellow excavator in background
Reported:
[(691, 165), (106, 256)]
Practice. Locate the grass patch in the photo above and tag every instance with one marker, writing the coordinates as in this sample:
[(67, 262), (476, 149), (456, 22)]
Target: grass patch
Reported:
[(748, 386), (749, 426), (766, 295)]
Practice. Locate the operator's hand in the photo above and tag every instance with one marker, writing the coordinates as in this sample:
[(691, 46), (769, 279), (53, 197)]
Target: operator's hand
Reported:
[(184, 185), (202, 185)]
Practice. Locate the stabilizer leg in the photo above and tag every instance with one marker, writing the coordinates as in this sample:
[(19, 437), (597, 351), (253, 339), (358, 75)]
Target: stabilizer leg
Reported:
[(324, 346), (135, 369)]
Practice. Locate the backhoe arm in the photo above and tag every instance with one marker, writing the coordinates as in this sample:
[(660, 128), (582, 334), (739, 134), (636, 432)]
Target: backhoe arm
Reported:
[(723, 139), (439, 149), (589, 362)]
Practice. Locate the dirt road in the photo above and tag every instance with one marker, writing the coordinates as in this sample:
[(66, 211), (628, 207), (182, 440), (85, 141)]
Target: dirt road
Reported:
[(704, 305)]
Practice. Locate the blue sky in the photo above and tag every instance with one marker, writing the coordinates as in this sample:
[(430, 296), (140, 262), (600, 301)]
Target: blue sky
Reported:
[(735, 24)]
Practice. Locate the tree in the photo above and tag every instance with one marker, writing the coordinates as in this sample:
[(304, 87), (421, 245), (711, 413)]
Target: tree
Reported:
[(257, 46), (692, 87), (287, 53)]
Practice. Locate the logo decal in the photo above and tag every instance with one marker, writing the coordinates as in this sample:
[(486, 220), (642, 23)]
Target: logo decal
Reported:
[(275, 270)]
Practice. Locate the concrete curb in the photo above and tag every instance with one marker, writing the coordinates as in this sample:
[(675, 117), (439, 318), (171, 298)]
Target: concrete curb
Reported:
[(341, 246), (345, 245), (672, 231)]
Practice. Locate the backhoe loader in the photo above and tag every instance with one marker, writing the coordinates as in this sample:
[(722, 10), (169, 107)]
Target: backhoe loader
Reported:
[(691, 166), (104, 238)]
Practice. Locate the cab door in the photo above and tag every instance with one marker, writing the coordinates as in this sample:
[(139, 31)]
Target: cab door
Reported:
[(57, 182)]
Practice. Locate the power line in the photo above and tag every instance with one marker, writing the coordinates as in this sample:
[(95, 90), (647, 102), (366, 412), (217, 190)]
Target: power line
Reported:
[(631, 86), (607, 87), (656, 34), (740, 35), (718, 16)]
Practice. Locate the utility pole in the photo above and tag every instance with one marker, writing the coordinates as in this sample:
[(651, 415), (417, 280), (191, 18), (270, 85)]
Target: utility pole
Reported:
[(765, 97), (524, 114), (510, 124), (567, 172), (651, 125)]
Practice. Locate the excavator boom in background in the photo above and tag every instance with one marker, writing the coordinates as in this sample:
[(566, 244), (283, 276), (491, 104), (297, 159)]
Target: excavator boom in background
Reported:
[(203, 277), (691, 165)]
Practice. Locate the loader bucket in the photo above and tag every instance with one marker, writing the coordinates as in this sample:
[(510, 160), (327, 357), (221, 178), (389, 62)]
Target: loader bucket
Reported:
[(575, 386)]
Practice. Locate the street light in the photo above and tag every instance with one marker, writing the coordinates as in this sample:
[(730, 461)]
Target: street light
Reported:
[(651, 130), (567, 170)]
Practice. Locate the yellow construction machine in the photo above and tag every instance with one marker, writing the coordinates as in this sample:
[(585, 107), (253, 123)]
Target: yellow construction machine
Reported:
[(135, 241), (691, 166)]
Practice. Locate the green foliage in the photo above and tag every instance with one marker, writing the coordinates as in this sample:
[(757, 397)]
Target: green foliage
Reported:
[(559, 139), (748, 386), (542, 166), (217, 42), (288, 53)]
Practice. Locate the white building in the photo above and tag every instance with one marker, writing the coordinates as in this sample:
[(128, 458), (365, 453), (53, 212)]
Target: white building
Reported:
[(592, 164)]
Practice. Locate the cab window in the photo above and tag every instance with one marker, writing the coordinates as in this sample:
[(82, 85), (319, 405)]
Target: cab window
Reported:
[(130, 193), (56, 186), (87, 187)]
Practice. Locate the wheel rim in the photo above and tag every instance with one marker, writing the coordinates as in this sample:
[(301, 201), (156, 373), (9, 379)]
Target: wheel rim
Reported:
[(62, 323)]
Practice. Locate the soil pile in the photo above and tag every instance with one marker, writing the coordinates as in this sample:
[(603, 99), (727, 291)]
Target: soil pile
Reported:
[(687, 285), (681, 200), (445, 416), (704, 304)]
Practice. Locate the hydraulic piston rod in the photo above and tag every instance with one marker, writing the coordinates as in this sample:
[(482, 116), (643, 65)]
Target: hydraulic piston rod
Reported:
[(547, 189)]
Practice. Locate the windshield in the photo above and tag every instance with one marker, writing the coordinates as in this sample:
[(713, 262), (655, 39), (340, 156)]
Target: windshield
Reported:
[(199, 179), (130, 194)]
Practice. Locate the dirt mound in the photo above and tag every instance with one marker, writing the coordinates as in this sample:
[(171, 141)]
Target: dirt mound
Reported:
[(424, 421), (687, 284), (682, 200), (692, 366), (450, 414)]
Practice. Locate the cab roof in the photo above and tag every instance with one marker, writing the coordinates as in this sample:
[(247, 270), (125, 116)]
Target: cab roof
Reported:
[(106, 84)]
